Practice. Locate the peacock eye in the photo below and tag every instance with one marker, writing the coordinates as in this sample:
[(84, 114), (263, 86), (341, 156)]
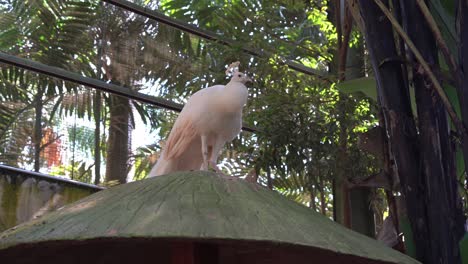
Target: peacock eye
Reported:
[(239, 75)]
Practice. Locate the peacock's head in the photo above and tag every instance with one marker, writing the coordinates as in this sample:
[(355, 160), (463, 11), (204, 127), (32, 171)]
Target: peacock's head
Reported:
[(240, 77), (237, 76)]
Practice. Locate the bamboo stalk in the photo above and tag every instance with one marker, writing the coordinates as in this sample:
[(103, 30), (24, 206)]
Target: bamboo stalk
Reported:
[(425, 66)]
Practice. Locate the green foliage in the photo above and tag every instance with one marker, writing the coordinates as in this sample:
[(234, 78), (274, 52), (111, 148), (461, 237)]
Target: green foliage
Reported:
[(299, 117), (296, 114), (443, 12), (78, 171), (15, 128), (365, 85), (47, 32), (143, 160)]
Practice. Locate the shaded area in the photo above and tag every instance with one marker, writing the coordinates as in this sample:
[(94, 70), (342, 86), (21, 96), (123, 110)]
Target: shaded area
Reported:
[(141, 250)]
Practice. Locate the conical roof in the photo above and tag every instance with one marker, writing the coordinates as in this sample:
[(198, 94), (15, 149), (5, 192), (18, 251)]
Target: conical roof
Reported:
[(195, 206)]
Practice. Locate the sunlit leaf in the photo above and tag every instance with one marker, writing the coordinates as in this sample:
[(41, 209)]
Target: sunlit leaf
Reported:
[(365, 85)]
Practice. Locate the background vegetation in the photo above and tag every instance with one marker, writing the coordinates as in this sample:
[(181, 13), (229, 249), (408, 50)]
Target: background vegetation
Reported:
[(323, 139)]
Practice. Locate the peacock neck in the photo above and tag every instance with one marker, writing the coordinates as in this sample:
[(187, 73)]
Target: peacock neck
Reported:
[(234, 96)]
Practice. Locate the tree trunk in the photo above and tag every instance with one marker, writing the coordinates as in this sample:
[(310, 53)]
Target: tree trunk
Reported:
[(362, 216), (269, 179), (117, 148), (341, 203), (312, 194), (323, 203), (463, 58), (395, 102), (97, 138), (341, 197), (443, 212), (97, 106), (37, 135), (390, 174)]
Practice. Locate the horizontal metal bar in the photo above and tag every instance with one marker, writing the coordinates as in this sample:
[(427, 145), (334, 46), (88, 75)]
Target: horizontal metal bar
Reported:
[(12, 171), (94, 83), (160, 17)]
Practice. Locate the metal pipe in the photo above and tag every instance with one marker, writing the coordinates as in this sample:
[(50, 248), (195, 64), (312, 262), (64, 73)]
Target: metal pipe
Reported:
[(94, 83), (160, 17)]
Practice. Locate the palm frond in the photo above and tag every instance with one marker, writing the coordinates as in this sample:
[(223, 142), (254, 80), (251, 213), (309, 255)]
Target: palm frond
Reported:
[(15, 131)]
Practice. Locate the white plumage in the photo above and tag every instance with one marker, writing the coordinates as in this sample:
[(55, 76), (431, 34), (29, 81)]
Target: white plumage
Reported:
[(211, 117)]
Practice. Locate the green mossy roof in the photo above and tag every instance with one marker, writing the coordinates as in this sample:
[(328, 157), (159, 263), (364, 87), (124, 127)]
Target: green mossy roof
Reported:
[(197, 205)]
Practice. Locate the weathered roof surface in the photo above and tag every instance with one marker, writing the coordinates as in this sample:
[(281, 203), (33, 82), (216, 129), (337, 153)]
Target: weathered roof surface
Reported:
[(197, 206)]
